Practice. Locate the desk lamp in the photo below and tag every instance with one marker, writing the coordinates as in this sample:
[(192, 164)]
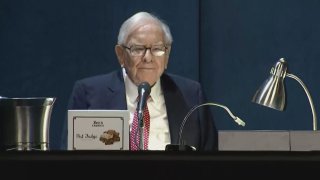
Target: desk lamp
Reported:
[(272, 92)]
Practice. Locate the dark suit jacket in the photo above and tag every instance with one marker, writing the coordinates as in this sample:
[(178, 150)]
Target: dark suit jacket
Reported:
[(180, 94)]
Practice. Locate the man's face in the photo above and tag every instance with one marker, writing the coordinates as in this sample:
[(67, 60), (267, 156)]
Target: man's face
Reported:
[(146, 67)]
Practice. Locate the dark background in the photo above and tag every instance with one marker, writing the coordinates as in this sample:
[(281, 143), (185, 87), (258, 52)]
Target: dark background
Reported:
[(229, 46)]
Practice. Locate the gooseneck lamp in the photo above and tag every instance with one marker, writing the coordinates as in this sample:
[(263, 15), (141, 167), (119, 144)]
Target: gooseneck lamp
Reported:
[(272, 92)]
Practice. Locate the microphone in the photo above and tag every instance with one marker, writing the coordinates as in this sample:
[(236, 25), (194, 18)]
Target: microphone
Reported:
[(143, 91), (181, 146)]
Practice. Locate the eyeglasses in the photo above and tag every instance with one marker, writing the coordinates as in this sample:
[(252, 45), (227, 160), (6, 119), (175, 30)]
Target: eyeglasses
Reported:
[(138, 50)]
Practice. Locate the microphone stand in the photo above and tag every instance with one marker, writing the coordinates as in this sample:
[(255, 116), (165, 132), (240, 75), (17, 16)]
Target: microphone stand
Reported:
[(143, 91), (141, 130), (181, 146)]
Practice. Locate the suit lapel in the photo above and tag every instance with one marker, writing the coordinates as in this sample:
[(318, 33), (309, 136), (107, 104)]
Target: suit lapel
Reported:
[(115, 92), (175, 105)]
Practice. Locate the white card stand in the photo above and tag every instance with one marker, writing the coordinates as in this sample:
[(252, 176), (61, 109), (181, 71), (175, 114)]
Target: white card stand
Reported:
[(98, 130)]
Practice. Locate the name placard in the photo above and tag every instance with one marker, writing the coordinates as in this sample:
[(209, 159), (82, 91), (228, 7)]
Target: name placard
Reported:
[(98, 130)]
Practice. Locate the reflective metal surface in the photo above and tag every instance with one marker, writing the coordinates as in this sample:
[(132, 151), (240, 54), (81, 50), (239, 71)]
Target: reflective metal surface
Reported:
[(272, 92), (24, 123)]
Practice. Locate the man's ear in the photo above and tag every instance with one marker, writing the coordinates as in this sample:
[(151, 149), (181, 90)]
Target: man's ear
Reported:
[(167, 58), (120, 54), (168, 51)]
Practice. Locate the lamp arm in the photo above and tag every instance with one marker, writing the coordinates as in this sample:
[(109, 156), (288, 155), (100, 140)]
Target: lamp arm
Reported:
[(309, 98), (239, 121)]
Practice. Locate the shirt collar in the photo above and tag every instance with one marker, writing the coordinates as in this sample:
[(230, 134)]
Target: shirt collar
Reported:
[(132, 93), (156, 92)]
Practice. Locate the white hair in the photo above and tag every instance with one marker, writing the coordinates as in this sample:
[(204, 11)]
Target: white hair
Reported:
[(140, 18)]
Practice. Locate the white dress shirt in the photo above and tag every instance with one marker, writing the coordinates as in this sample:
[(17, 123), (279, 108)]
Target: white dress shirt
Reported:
[(159, 135)]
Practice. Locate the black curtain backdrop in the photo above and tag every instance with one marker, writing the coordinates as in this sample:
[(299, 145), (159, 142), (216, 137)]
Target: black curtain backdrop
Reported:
[(229, 46)]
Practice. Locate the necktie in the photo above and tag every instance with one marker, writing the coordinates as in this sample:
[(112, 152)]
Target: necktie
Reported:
[(135, 135)]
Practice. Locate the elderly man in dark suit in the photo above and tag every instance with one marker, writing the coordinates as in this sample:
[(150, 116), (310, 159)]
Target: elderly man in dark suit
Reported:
[(144, 44)]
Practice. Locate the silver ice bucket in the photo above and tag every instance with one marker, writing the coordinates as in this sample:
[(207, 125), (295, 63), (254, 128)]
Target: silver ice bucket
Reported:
[(25, 122)]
